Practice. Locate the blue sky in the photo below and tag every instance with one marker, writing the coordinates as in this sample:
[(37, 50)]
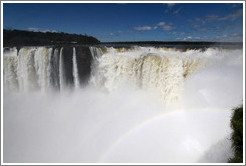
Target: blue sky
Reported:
[(131, 21)]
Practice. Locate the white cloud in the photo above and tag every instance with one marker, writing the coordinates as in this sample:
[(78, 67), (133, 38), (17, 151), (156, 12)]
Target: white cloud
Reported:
[(190, 38), (187, 38), (33, 29), (235, 37), (40, 29), (46, 30), (169, 6), (230, 17), (177, 33), (211, 17), (161, 25), (234, 15), (164, 26), (143, 28)]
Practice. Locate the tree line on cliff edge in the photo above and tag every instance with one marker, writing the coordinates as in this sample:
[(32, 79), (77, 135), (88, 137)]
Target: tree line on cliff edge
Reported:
[(237, 135), (30, 38)]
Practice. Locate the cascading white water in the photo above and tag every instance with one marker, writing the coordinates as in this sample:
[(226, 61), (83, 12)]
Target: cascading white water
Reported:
[(61, 71), (42, 65), (10, 62), (128, 123), (158, 70), (38, 68), (75, 70), (26, 70), (95, 53), (31, 69)]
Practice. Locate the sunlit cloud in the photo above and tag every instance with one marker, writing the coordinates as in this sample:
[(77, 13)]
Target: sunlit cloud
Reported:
[(143, 28), (164, 26), (161, 25)]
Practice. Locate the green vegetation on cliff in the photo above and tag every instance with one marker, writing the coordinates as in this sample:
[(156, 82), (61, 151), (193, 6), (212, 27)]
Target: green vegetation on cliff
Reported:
[(28, 38), (237, 135)]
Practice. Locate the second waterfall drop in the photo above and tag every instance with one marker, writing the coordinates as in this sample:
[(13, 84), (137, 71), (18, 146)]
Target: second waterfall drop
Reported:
[(75, 70)]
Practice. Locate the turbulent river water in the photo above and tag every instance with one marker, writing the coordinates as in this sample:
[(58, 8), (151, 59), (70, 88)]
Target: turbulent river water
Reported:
[(121, 105)]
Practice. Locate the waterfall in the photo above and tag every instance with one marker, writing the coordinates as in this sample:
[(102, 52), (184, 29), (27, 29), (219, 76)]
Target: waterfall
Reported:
[(27, 77), (54, 68), (75, 70), (96, 52), (145, 68), (10, 63), (33, 69), (61, 71), (159, 70), (42, 60), (173, 103), (44, 69)]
